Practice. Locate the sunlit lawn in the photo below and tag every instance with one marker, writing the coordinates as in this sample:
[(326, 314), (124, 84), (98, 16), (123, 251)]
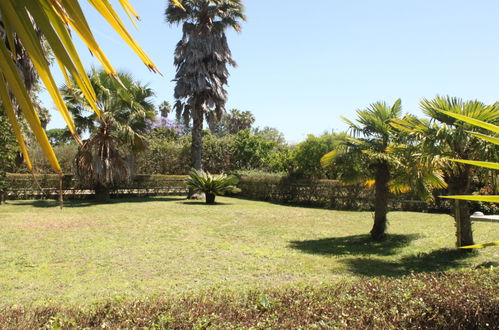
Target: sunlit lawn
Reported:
[(135, 248)]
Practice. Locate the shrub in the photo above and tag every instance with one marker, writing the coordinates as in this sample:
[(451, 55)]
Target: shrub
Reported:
[(65, 153), (243, 150), (165, 156), (307, 156), (332, 194), (457, 300), (211, 184)]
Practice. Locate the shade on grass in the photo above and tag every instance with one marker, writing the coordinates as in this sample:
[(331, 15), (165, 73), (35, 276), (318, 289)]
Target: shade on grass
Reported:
[(137, 248)]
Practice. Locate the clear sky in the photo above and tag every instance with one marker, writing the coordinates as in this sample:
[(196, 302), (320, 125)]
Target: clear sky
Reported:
[(303, 64)]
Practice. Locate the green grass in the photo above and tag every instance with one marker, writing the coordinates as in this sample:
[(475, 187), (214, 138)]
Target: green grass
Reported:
[(141, 248)]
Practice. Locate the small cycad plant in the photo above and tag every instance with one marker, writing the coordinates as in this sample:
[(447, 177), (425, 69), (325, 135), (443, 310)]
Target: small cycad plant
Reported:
[(212, 184)]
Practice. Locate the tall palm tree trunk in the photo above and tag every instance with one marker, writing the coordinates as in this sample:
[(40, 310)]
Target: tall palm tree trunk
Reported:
[(196, 146), (101, 193), (382, 177), (464, 232), (197, 141), (460, 185)]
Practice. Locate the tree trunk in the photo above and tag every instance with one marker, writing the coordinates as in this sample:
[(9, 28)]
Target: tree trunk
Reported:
[(382, 177), (464, 232), (196, 145), (197, 141), (210, 198), (3, 194), (460, 185), (130, 161), (101, 193)]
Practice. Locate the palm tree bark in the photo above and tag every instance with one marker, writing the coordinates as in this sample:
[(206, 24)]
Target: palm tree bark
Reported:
[(196, 145), (382, 177), (101, 193), (197, 141), (460, 184)]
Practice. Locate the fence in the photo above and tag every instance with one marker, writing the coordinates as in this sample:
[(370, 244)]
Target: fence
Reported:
[(23, 186), (319, 193), (328, 193)]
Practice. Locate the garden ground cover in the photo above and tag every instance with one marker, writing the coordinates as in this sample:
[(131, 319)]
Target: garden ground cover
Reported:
[(139, 248)]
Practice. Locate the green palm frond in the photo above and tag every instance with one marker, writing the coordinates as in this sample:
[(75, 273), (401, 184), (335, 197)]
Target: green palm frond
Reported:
[(477, 122), (218, 184), (488, 138), (126, 107)]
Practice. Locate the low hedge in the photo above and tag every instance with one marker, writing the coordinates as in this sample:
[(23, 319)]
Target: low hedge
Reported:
[(23, 186), (455, 300), (327, 193), (265, 187)]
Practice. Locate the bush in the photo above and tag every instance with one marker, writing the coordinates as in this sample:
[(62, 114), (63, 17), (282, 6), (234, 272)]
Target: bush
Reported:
[(165, 157), (325, 193), (65, 153), (211, 185), (457, 300), (307, 156), (243, 150)]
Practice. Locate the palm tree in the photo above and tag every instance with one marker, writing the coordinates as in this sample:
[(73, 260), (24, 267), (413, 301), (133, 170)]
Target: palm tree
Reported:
[(488, 127), (201, 58), (126, 110), (377, 153), (448, 138)]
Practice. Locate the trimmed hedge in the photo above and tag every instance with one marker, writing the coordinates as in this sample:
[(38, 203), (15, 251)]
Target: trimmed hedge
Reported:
[(455, 300), (327, 193), (23, 186), (269, 187)]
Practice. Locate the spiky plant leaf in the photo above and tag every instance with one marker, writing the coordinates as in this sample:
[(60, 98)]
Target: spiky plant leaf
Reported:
[(218, 184)]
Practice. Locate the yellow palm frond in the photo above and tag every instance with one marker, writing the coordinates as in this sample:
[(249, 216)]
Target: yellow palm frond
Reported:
[(480, 246), (476, 198), (54, 18)]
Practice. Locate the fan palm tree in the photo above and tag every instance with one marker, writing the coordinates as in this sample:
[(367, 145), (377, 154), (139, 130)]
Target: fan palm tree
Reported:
[(448, 138), (126, 110), (378, 154), (201, 58), (493, 139)]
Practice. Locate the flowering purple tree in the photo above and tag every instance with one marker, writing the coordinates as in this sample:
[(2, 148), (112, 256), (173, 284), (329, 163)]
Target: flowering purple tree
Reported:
[(161, 123)]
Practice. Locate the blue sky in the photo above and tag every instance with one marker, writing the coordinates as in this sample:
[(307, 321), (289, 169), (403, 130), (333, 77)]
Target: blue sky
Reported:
[(303, 64)]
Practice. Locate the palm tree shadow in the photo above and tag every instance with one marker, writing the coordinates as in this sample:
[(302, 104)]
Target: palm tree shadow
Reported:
[(46, 203), (354, 245), (435, 261), (38, 203), (204, 203)]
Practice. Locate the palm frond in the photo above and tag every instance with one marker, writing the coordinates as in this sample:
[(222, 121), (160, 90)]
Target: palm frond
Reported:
[(53, 19), (477, 198), (212, 183)]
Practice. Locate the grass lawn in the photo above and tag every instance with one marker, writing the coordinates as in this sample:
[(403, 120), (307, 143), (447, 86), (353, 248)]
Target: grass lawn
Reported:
[(141, 248)]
